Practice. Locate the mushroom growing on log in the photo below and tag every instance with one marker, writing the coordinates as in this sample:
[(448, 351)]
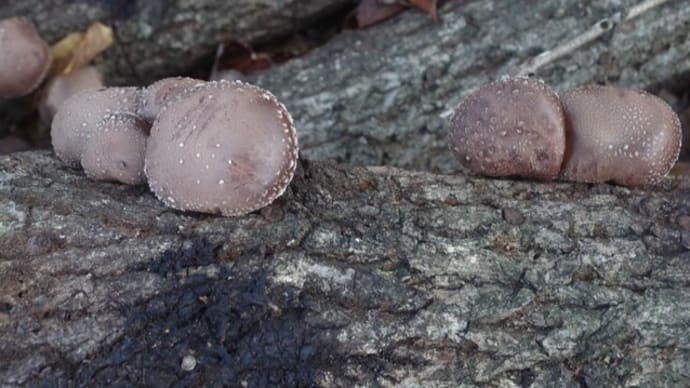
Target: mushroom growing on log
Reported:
[(591, 133), (115, 151), (79, 116), (511, 127), (221, 147), (626, 136), (159, 93)]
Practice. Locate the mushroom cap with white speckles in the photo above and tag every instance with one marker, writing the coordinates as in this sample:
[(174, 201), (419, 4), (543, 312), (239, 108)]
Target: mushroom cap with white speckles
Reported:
[(626, 136), (160, 92), (510, 127), (116, 150), (224, 147), (24, 57), (76, 119)]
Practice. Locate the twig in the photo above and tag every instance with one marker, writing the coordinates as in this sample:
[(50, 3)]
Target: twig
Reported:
[(594, 32)]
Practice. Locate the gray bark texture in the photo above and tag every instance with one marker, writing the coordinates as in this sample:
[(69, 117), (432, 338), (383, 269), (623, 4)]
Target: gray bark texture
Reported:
[(359, 276)]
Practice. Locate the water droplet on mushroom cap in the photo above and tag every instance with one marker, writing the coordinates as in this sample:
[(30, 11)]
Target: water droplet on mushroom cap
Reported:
[(511, 127), (77, 118), (24, 57), (160, 92), (626, 136), (225, 147), (115, 151)]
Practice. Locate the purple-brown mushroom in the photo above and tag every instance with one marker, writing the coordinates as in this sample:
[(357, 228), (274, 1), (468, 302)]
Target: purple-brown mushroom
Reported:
[(626, 136), (223, 147), (64, 86), (685, 126), (24, 57), (115, 151), (78, 117), (161, 92), (510, 127)]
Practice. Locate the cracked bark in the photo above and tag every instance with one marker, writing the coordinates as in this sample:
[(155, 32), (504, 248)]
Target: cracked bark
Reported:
[(373, 276)]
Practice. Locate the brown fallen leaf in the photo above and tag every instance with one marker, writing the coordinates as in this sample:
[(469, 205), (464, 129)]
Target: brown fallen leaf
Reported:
[(370, 12), (78, 49), (681, 168), (428, 6)]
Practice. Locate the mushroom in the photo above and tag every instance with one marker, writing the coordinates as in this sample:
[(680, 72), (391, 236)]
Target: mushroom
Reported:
[(65, 86), (221, 147), (685, 126), (160, 92), (24, 57), (78, 117), (626, 136), (510, 127), (115, 151)]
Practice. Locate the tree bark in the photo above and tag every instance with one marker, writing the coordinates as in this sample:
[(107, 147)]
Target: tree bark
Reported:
[(370, 276)]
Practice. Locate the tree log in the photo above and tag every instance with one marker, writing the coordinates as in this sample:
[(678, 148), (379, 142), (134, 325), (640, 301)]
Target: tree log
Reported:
[(370, 276)]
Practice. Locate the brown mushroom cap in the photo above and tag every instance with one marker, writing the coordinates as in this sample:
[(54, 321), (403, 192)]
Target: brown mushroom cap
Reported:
[(24, 57), (160, 92), (511, 127), (224, 147), (65, 86), (626, 136), (77, 118), (115, 151)]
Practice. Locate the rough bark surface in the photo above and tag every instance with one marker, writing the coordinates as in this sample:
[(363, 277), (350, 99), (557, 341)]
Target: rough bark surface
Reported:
[(370, 276), (373, 276)]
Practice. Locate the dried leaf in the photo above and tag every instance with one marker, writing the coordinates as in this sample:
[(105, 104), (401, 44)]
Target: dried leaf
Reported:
[(77, 50), (370, 12), (681, 168), (428, 6), (63, 49)]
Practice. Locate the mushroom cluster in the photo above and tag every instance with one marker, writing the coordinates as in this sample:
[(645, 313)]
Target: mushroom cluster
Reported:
[(27, 60), (216, 147), (592, 133)]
